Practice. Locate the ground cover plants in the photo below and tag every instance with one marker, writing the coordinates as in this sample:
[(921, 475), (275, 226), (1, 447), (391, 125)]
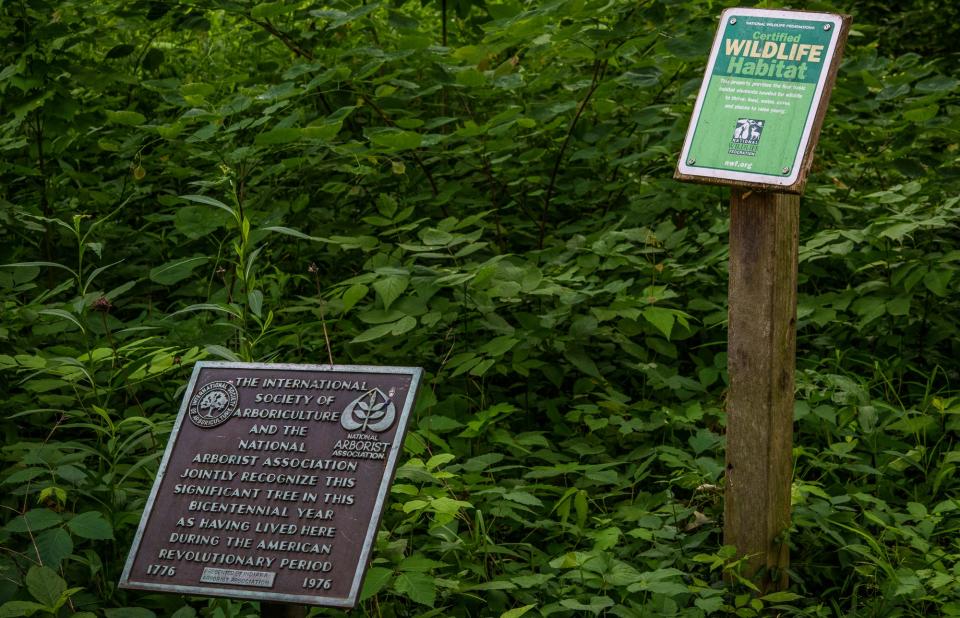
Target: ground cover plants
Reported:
[(481, 188)]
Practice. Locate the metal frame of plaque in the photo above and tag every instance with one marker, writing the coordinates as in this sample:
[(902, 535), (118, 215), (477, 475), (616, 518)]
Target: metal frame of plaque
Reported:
[(212, 400)]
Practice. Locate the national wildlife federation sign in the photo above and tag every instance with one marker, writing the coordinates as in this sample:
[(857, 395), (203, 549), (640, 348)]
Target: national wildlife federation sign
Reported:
[(763, 97)]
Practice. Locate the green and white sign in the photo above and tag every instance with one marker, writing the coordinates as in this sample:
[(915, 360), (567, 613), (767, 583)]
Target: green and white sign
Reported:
[(764, 85)]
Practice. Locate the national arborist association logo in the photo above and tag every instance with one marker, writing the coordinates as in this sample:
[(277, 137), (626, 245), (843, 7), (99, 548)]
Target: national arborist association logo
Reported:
[(365, 418), (371, 411), (746, 137), (213, 404)]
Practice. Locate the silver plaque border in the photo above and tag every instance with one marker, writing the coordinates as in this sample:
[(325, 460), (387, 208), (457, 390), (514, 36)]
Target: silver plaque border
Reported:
[(351, 599)]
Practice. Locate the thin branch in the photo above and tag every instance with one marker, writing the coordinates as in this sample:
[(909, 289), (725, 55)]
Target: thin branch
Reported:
[(297, 49), (599, 67), (284, 38), (423, 166)]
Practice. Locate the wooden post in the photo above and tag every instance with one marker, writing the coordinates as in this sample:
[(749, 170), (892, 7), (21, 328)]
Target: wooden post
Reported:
[(761, 360), (282, 610)]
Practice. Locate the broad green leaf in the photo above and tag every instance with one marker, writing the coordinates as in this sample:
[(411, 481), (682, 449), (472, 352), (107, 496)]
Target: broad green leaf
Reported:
[(499, 346), (283, 135), (662, 319), (90, 525), (53, 546), (390, 288), (431, 236), (45, 585), (395, 139), (376, 580), (581, 360), (403, 325), (15, 609), (937, 281), (197, 222), (938, 83), (374, 333), (516, 612), (34, 520), (418, 587), (126, 117), (523, 497), (120, 51), (921, 114), (255, 302), (12, 69), (439, 460), (197, 89), (268, 10), (27, 474), (353, 295), (709, 605), (595, 606), (899, 230), (419, 562), (660, 587), (323, 132)]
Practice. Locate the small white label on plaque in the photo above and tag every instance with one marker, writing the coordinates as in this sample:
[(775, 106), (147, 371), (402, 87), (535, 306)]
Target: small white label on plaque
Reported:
[(261, 579)]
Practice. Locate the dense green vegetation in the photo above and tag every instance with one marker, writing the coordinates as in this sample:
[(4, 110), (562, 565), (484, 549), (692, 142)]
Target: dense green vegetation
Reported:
[(482, 188)]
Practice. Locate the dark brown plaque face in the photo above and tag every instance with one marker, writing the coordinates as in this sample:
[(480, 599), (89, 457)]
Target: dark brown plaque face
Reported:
[(273, 482)]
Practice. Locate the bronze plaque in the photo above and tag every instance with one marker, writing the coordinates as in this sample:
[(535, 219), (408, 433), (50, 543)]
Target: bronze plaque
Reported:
[(273, 482)]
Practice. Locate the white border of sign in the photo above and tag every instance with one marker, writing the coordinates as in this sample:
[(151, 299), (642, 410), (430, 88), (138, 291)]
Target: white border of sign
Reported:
[(795, 169), (265, 595)]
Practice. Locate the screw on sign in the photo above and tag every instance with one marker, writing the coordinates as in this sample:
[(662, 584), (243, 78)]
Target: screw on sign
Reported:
[(754, 128)]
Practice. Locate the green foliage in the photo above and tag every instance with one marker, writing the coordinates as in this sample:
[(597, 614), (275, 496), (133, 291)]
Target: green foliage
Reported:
[(482, 189)]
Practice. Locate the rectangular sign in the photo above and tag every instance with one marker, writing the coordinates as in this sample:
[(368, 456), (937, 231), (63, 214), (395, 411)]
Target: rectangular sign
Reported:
[(760, 107), (273, 482)]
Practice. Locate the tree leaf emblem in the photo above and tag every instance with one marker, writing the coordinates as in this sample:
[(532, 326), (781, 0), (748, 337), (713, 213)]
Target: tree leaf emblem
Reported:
[(371, 411)]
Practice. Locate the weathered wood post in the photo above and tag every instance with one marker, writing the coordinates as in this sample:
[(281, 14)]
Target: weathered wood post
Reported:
[(754, 127), (761, 351)]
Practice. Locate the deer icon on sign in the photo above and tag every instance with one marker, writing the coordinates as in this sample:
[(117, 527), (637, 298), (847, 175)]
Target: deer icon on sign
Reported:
[(748, 130)]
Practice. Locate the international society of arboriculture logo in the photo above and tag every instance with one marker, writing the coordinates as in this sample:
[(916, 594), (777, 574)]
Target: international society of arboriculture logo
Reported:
[(213, 404), (746, 137), (371, 411)]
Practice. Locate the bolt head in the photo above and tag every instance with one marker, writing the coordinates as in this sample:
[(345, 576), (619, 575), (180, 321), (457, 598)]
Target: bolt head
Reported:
[(786, 170), (826, 26), (691, 161), (733, 20)]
